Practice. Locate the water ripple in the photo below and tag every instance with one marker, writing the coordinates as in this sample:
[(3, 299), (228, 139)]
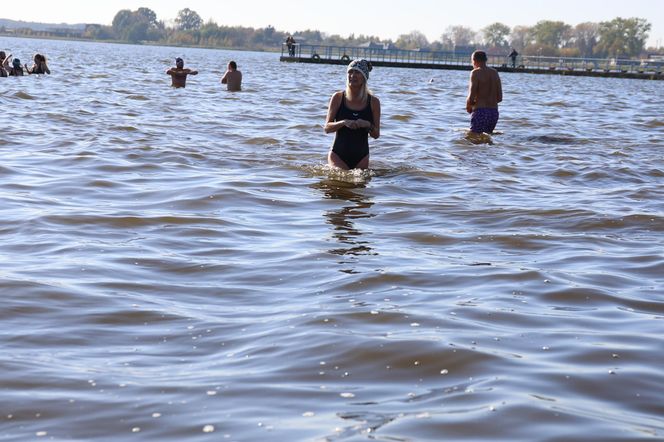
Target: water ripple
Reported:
[(178, 262)]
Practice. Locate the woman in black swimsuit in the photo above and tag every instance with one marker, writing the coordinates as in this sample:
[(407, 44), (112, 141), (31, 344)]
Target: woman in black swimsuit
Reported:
[(353, 115)]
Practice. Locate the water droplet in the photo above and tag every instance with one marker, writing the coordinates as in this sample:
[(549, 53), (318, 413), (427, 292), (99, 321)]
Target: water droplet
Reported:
[(444, 371), (136, 429), (208, 429)]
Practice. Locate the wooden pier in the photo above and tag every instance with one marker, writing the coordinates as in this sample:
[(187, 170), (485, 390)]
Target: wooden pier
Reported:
[(398, 58)]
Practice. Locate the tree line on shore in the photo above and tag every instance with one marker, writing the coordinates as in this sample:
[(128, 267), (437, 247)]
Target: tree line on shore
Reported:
[(620, 37)]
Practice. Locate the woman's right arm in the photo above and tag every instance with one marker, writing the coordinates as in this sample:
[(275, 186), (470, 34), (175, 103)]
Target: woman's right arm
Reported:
[(330, 124)]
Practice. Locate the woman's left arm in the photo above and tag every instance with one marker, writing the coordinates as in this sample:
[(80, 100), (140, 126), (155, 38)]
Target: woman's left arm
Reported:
[(374, 130)]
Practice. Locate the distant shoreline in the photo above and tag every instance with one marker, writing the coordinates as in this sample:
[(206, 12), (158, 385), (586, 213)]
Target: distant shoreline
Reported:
[(122, 42)]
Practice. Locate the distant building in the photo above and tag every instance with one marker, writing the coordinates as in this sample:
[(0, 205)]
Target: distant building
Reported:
[(381, 46), (65, 32), (371, 45)]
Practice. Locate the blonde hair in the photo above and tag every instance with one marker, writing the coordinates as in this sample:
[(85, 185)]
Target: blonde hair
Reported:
[(364, 92)]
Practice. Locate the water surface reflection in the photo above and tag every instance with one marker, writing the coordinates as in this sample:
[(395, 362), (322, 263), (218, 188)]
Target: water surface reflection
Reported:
[(356, 205)]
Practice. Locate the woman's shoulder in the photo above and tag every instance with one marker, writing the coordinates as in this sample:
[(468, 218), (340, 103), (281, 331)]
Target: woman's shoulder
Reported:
[(337, 97)]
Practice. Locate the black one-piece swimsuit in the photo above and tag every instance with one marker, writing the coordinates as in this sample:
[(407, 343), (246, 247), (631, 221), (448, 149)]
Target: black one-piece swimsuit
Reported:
[(352, 145)]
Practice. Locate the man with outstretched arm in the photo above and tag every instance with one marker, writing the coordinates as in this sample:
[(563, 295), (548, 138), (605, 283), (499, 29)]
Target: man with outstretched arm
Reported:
[(179, 73)]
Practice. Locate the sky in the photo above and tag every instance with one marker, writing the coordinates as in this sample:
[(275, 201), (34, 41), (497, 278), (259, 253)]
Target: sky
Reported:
[(382, 18)]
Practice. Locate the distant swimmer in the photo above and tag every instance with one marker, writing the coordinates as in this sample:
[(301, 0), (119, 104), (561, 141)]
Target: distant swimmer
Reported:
[(16, 70), (354, 115), (179, 73), (484, 93), (232, 78), (4, 64), (39, 67)]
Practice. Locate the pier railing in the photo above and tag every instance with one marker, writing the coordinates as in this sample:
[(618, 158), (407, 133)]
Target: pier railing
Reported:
[(452, 60)]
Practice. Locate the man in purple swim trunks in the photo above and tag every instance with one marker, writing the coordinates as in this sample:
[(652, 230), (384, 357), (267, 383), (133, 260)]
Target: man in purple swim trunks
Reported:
[(484, 94)]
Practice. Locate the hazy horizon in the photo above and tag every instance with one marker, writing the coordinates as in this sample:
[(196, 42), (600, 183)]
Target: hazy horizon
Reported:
[(385, 19)]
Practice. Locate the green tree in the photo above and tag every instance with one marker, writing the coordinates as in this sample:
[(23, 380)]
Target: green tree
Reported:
[(264, 36), (98, 32), (623, 37), (137, 25), (188, 20), (584, 38), (137, 32), (121, 23), (148, 16), (554, 34), (495, 35)]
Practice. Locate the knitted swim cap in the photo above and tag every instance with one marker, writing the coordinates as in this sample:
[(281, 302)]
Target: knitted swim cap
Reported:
[(363, 66)]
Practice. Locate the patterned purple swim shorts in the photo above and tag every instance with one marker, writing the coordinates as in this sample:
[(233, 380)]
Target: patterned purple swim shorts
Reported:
[(483, 120)]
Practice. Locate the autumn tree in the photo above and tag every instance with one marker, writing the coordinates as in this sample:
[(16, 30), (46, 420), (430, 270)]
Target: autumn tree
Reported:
[(521, 37), (584, 38), (495, 35), (412, 40), (554, 34), (623, 37), (459, 36)]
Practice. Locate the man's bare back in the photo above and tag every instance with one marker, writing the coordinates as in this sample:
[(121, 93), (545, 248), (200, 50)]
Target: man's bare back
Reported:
[(484, 94), (232, 78), (485, 90)]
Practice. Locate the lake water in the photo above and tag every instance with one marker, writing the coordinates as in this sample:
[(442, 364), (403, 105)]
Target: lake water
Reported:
[(181, 264)]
